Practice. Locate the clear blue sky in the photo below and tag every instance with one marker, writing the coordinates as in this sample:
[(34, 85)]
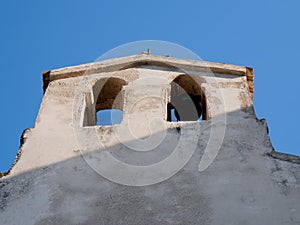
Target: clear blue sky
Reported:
[(41, 35)]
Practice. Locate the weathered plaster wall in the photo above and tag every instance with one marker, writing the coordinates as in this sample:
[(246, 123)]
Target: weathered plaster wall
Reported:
[(52, 184)]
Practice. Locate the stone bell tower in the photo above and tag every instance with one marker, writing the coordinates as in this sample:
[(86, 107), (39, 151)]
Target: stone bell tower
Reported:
[(149, 140)]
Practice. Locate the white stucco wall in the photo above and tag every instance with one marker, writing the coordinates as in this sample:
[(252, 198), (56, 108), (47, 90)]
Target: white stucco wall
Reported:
[(52, 183)]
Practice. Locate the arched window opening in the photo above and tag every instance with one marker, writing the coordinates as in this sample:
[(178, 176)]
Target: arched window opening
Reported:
[(109, 106), (187, 101)]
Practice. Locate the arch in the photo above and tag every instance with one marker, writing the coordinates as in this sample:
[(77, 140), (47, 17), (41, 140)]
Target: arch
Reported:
[(187, 100), (109, 100)]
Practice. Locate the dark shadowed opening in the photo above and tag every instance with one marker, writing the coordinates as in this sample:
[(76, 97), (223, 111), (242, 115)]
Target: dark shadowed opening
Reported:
[(187, 101)]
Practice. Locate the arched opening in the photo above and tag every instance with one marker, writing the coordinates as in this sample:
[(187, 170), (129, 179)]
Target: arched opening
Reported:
[(187, 101), (109, 105)]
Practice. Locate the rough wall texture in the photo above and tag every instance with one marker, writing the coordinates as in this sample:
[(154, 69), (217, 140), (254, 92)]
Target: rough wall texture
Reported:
[(247, 182)]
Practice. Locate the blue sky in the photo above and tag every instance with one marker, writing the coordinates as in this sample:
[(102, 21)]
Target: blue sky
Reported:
[(41, 35)]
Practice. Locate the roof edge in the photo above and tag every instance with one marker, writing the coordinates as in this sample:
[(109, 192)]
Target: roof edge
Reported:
[(116, 64)]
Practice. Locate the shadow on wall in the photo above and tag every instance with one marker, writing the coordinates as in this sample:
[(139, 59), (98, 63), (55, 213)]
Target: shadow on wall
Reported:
[(92, 199)]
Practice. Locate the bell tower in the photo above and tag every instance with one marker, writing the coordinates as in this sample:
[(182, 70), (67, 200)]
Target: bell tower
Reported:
[(150, 140)]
